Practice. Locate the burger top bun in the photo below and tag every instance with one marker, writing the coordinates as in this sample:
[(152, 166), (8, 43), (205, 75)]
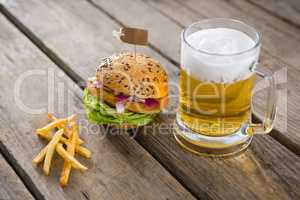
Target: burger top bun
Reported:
[(140, 76)]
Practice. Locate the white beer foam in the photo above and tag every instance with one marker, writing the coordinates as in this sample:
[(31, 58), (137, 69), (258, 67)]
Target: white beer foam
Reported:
[(225, 41)]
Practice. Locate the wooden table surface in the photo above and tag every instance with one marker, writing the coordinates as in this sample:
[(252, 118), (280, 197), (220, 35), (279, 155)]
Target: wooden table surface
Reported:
[(65, 40)]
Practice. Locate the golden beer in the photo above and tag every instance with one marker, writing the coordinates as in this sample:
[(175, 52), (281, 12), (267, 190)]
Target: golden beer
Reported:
[(214, 109), (218, 73)]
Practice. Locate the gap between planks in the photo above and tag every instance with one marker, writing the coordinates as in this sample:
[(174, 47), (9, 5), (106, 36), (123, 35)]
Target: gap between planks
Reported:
[(40, 45), (284, 19), (76, 79), (22, 175)]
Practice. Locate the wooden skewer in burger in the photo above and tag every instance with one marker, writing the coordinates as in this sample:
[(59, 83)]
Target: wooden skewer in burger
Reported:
[(129, 89)]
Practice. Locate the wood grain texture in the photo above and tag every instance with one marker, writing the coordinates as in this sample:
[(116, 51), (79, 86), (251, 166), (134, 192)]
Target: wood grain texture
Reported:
[(280, 44), (119, 169), (287, 10), (259, 173), (266, 171), (11, 186), (279, 37)]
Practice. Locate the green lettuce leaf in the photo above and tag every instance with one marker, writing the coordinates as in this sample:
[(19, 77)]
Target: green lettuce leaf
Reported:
[(100, 113)]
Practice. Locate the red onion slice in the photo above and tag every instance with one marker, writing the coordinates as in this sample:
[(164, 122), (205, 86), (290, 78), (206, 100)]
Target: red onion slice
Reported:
[(120, 107), (121, 97), (97, 84), (121, 101), (151, 102)]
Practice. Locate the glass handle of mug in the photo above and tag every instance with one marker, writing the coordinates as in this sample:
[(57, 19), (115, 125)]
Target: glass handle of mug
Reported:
[(270, 113)]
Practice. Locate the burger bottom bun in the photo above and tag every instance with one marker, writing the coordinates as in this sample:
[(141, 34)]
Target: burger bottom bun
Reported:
[(136, 107)]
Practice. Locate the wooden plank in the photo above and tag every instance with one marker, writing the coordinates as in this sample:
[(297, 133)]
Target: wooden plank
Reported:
[(279, 37), (261, 172), (11, 187), (287, 10), (280, 44), (119, 169), (266, 171)]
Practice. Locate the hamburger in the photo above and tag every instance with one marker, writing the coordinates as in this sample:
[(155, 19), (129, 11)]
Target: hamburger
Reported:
[(128, 91)]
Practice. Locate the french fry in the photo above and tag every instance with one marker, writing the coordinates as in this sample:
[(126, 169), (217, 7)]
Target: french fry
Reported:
[(64, 177), (67, 157), (50, 151), (40, 157), (83, 151), (49, 137), (67, 134), (78, 149), (45, 131), (52, 118), (45, 135), (69, 130)]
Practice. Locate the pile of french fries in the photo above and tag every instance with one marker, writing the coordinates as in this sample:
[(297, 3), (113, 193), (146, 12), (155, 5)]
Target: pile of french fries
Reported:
[(66, 142)]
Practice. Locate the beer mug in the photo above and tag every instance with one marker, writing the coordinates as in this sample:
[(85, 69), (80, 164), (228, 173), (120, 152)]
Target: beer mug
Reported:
[(218, 73)]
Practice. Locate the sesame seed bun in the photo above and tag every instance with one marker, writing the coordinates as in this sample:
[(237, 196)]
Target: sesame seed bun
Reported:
[(140, 76)]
